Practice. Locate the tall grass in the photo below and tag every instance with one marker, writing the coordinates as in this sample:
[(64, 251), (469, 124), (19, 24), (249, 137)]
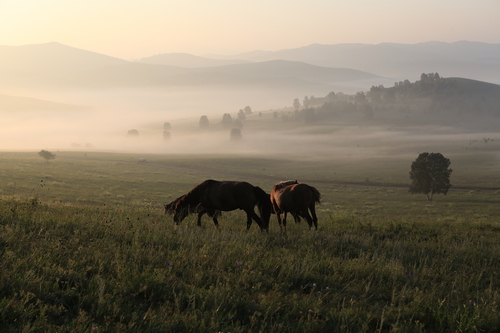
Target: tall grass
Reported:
[(84, 247), (81, 268)]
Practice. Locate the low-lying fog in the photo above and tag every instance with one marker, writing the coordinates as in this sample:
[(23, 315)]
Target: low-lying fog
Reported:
[(105, 124), (112, 113)]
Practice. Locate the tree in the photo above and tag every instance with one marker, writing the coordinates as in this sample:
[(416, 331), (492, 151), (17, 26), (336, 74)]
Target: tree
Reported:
[(306, 102), (47, 155), (360, 97), (241, 115), (167, 126), (430, 174), (367, 110), (204, 123), (235, 134), (330, 97), (310, 115), (248, 110), (227, 120), (296, 103), (237, 123), (133, 132)]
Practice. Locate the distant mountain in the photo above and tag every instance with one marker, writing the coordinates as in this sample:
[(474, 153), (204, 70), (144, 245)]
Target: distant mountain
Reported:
[(48, 64), (188, 60), (294, 69), (53, 65), (480, 61), (44, 58), (18, 103)]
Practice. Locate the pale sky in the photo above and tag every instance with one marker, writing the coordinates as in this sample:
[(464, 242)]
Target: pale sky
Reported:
[(132, 29)]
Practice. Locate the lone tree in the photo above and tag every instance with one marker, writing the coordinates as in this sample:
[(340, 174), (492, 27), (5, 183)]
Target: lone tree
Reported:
[(248, 110), (133, 133), (47, 155), (430, 174), (235, 134), (204, 122), (227, 120)]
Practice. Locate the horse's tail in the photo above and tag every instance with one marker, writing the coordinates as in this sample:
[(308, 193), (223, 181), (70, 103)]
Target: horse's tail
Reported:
[(316, 195), (264, 205)]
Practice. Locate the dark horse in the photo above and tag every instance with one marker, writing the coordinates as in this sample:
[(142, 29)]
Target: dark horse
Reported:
[(214, 195), (296, 198), (170, 207)]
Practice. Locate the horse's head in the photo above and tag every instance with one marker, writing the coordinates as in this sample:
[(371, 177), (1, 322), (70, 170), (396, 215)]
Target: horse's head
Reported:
[(168, 208), (181, 210)]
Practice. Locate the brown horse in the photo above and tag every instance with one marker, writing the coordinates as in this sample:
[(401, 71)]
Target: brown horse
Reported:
[(296, 198), (215, 195), (170, 207)]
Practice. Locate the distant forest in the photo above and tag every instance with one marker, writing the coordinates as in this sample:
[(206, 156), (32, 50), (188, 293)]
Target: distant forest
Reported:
[(430, 97)]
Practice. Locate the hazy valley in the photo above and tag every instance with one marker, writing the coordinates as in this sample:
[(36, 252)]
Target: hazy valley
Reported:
[(71, 227), (53, 96)]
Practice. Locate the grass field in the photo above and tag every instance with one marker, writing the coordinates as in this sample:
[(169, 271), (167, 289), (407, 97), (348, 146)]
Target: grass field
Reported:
[(85, 246)]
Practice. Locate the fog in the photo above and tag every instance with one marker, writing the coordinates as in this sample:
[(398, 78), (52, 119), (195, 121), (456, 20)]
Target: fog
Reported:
[(109, 114), (55, 97)]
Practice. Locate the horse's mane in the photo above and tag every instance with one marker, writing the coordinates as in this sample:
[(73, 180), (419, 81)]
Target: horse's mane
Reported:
[(169, 208), (284, 183), (195, 193)]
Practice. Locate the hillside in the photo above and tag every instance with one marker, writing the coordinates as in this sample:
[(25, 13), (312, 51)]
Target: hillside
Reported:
[(294, 69), (188, 60), (19, 104), (54, 65), (467, 105), (474, 60)]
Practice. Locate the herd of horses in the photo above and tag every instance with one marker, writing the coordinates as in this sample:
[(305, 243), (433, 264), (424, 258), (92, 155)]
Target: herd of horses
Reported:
[(212, 197)]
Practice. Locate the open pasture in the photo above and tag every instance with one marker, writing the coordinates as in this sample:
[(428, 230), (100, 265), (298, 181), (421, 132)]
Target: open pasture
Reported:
[(85, 246)]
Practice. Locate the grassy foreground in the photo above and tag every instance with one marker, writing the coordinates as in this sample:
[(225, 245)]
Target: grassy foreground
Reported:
[(85, 247), (76, 268)]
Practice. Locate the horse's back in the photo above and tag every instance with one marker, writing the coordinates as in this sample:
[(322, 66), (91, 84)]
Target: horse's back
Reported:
[(230, 195), (294, 195)]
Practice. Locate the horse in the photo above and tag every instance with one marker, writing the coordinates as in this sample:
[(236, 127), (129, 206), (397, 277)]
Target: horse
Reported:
[(170, 207), (296, 198), (215, 195)]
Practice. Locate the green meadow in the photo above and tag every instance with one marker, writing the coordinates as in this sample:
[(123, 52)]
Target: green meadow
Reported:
[(85, 245)]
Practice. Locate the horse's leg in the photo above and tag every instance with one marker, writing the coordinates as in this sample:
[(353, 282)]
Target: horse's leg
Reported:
[(284, 220), (278, 215), (216, 222), (252, 215), (213, 214), (200, 214), (308, 218), (314, 217)]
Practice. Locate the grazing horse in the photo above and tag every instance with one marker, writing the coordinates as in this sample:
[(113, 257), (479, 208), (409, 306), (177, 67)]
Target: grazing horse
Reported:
[(296, 198), (170, 207), (215, 195)]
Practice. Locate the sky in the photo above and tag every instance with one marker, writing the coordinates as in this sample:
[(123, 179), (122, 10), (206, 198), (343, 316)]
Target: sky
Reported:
[(132, 29)]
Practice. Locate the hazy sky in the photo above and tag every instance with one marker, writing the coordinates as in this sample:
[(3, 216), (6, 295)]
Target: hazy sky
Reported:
[(131, 29)]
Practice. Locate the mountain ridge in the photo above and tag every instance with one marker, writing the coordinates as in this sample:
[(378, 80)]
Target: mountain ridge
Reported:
[(57, 65)]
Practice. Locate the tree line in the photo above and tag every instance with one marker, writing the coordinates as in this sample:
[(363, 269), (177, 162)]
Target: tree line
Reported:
[(432, 95)]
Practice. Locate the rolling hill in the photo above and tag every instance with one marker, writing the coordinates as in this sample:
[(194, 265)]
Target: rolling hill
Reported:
[(188, 60), (20, 104), (55, 65), (474, 60)]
